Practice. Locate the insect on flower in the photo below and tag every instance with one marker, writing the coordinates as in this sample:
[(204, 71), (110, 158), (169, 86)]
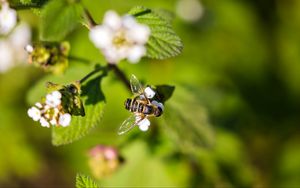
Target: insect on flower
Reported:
[(142, 106)]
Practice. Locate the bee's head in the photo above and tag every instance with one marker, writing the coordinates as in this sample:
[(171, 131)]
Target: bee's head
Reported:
[(159, 108), (158, 112)]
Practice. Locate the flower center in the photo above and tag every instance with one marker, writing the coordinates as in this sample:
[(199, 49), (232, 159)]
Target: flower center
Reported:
[(120, 39)]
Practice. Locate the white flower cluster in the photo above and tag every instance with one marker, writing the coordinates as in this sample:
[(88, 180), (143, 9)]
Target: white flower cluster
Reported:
[(50, 112), (120, 38), (8, 18), (14, 38), (145, 123)]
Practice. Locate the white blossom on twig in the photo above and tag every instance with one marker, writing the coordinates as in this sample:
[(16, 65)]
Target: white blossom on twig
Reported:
[(120, 38)]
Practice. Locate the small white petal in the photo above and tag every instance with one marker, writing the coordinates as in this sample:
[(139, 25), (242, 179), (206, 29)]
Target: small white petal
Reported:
[(44, 122), (6, 56), (53, 122), (64, 120), (112, 20), (144, 124), (39, 105), (149, 92), (29, 48), (8, 19), (56, 94), (34, 113), (101, 36), (128, 21), (45, 108), (113, 55), (139, 33), (21, 36), (53, 99), (135, 53)]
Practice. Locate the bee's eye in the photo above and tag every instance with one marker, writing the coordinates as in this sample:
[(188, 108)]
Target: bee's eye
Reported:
[(73, 89), (158, 112)]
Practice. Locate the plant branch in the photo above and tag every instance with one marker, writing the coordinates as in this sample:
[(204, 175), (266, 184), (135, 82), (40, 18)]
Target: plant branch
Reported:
[(89, 18), (120, 74), (74, 58), (97, 69), (24, 7)]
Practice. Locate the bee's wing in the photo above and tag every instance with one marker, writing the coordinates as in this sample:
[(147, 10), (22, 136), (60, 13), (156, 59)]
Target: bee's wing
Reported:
[(127, 125), (136, 86)]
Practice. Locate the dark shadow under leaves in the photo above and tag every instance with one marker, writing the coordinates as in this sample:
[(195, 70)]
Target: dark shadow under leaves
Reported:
[(92, 89)]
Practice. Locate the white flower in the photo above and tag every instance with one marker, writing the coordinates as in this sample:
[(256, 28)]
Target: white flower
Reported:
[(190, 10), (29, 48), (53, 121), (64, 120), (8, 19), (19, 38), (53, 99), (120, 38), (149, 92), (50, 112), (34, 113), (143, 124), (12, 47), (44, 122), (6, 56), (39, 105)]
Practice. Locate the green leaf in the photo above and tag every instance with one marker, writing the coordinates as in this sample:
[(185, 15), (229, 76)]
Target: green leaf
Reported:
[(164, 92), (83, 181), (59, 18), (94, 102), (185, 115), (33, 2), (163, 42), (92, 98)]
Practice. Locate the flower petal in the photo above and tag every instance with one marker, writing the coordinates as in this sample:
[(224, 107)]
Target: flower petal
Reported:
[(149, 92), (135, 53), (34, 113), (64, 120), (6, 56), (101, 36), (8, 19), (112, 20), (44, 122), (144, 124), (139, 33)]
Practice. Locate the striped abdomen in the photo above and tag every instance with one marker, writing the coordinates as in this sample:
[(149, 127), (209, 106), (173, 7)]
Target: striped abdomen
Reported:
[(134, 105)]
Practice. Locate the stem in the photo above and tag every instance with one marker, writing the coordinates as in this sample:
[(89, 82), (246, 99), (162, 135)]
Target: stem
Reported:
[(120, 74), (91, 74), (89, 18), (23, 7), (74, 58)]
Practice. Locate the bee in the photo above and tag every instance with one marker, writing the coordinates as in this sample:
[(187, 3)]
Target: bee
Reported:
[(141, 106)]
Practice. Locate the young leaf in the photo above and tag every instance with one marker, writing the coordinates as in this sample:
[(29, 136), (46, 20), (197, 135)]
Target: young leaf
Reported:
[(94, 102), (59, 17), (163, 42), (164, 92), (83, 181)]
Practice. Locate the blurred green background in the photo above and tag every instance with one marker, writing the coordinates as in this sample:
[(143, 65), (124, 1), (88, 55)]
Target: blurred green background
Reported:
[(237, 84)]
